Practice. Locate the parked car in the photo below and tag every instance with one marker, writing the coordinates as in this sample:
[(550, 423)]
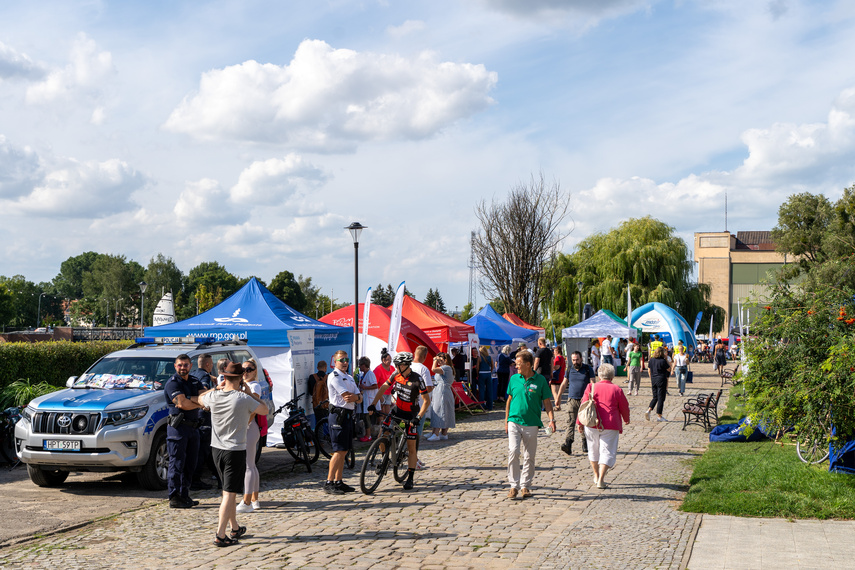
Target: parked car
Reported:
[(113, 416)]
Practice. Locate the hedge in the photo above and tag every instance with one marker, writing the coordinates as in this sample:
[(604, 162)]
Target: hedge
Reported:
[(52, 362)]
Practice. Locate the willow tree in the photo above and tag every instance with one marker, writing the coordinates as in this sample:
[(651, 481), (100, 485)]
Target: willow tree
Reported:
[(519, 238), (642, 253)]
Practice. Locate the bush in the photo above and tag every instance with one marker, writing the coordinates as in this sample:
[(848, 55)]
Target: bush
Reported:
[(21, 392), (51, 362)]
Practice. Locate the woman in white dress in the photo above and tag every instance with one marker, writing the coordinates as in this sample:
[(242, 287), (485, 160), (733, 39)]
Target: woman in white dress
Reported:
[(442, 398)]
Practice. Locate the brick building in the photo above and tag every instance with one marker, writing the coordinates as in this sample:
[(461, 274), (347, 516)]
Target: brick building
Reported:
[(735, 266)]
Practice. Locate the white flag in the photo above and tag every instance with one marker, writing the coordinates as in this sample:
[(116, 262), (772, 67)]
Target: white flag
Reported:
[(395, 324), (628, 313), (366, 311)]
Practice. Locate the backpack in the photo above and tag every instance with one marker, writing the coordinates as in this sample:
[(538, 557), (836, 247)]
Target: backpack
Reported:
[(588, 411)]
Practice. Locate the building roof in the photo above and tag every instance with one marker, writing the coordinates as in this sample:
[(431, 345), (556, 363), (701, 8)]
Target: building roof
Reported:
[(755, 240)]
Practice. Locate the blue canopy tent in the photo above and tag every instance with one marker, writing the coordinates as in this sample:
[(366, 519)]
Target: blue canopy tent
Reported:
[(493, 329), (256, 315), (657, 318)]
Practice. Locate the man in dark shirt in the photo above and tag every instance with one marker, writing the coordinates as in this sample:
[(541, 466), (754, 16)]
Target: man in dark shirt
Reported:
[(543, 360), (577, 378), (458, 361), (202, 374), (182, 433)]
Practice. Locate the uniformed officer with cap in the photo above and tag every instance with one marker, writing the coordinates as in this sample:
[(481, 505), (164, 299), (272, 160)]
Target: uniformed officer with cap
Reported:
[(182, 432), (343, 395)]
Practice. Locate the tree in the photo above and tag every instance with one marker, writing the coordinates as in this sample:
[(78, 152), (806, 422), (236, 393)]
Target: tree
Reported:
[(219, 284), (434, 300), (312, 294), (382, 297), (288, 290), (110, 291), (468, 312), (643, 253), (162, 276), (7, 304), (69, 281), (803, 222), (520, 236)]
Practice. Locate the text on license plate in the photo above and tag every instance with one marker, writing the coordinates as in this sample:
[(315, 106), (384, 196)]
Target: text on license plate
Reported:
[(62, 445)]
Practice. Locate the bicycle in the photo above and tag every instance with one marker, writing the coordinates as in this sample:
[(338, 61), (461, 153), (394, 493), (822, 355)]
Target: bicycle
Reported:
[(297, 433), (322, 438), (8, 418), (393, 441)]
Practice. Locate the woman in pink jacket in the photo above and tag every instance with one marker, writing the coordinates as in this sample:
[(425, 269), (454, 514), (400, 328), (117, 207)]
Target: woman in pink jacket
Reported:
[(612, 406)]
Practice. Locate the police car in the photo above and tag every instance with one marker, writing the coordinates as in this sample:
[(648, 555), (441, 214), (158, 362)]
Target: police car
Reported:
[(113, 417)]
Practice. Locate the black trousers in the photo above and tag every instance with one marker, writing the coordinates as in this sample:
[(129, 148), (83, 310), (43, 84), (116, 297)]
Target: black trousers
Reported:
[(659, 389)]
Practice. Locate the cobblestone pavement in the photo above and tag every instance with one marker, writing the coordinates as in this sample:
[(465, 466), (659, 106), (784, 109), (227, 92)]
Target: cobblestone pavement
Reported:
[(457, 517)]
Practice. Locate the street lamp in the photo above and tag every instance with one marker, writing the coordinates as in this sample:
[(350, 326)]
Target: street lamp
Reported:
[(39, 313), (355, 229), (142, 285), (579, 286)]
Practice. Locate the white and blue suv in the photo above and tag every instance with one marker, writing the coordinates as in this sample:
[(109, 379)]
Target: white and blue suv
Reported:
[(113, 417)]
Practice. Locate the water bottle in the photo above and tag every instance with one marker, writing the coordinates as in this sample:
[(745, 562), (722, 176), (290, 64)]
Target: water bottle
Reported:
[(548, 430)]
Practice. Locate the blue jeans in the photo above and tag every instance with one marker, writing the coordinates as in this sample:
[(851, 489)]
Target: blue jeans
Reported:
[(682, 373), (485, 389), (607, 359)]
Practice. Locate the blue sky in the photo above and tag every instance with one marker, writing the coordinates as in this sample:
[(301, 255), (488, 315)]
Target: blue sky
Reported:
[(251, 133)]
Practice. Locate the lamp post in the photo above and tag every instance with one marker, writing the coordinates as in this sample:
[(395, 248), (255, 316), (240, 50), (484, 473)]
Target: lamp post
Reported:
[(143, 286), (39, 312), (355, 229), (579, 286)]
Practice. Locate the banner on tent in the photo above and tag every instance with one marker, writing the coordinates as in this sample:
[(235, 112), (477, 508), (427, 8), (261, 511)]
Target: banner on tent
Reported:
[(302, 363)]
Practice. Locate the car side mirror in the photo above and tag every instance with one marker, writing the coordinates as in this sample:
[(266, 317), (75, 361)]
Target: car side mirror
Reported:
[(70, 382)]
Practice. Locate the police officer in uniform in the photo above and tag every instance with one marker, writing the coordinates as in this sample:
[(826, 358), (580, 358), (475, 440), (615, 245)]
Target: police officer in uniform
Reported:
[(343, 396), (182, 432)]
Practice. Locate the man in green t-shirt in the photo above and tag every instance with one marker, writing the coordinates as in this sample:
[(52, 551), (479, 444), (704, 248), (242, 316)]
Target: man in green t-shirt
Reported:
[(528, 392)]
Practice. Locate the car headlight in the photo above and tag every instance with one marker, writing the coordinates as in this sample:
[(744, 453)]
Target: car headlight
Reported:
[(27, 413), (120, 417)]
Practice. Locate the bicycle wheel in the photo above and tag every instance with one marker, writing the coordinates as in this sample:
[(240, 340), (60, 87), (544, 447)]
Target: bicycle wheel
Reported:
[(314, 448), (301, 451), (400, 466), (812, 451), (374, 466), (322, 438)]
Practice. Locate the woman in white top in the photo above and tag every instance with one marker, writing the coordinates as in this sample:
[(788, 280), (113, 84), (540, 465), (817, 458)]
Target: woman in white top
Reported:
[(681, 370), (251, 479)]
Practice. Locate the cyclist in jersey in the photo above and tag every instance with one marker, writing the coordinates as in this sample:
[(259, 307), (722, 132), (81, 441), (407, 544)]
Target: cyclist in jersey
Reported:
[(407, 386)]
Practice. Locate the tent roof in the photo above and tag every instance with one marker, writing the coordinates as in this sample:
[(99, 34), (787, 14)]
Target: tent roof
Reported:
[(379, 319), (515, 320), (601, 323), (492, 328), (436, 325), (255, 314)]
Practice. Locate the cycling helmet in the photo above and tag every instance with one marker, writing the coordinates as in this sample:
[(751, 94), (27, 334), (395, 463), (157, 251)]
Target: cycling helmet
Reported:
[(403, 358)]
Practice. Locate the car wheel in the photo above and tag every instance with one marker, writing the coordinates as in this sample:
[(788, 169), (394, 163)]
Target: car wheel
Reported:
[(45, 477), (154, 473)]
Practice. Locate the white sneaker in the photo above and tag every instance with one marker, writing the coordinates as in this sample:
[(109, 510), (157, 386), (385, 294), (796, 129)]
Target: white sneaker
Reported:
[(443, 437), (647, 415), (661, 419), (420, 465), (434, 437), (256, 505), (244, 508)]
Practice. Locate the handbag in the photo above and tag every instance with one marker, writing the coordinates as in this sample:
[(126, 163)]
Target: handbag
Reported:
[(690, 376), (588, 411)]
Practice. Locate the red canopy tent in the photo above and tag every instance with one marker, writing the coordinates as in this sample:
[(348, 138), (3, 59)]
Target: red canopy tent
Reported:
[(513, 319), (441, 328), (379, 320)]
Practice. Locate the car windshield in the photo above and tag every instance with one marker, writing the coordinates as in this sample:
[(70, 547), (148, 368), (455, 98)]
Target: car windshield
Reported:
[(128, 373)]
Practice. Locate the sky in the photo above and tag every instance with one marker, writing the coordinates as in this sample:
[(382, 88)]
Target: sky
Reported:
[(253, 132)]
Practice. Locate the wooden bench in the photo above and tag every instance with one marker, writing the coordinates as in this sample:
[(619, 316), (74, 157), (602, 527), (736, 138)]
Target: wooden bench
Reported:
[(727, 375), (701, 410)]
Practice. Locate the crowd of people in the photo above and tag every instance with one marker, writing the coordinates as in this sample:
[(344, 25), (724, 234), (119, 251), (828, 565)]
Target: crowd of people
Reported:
[(222, 420)]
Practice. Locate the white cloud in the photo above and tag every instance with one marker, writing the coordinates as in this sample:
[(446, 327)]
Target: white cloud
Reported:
[(540, 8), (89, 189), (274, 180), (86, 72), (330, 99), (14, 64), (20, 169), (205, 203), (405, 29)]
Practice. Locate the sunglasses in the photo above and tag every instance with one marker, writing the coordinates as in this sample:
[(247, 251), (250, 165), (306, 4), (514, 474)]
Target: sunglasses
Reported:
[(248, 369), (342, 360)]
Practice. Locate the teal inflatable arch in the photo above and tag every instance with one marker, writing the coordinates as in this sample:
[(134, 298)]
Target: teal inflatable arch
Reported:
[(656, 318)]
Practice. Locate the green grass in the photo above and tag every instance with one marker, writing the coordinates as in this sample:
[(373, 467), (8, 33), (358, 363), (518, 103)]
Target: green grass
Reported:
[(765, 479)]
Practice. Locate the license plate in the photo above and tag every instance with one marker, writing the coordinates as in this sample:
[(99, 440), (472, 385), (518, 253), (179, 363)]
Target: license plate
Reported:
[(61, 445)]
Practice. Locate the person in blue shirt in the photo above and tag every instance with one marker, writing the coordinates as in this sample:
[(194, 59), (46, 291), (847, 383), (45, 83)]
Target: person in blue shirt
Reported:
[(182, 432), (576, 379)]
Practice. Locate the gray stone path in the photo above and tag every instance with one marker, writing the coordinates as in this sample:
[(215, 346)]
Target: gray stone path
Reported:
[(458, 516)]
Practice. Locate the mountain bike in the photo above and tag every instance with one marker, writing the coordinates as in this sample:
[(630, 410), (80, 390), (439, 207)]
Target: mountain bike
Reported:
[(388, 449), (297, 434), (322, 437)]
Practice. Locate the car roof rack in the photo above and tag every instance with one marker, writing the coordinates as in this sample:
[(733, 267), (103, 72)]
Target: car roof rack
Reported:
[(199, 341)]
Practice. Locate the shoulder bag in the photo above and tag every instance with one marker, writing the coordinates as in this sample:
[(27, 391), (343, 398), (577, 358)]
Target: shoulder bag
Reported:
[(588, 411)]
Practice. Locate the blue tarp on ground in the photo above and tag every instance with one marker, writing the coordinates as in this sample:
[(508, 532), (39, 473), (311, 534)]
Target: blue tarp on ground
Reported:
[(493, 328), (256, 315), (842, 460), (735, 432)]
